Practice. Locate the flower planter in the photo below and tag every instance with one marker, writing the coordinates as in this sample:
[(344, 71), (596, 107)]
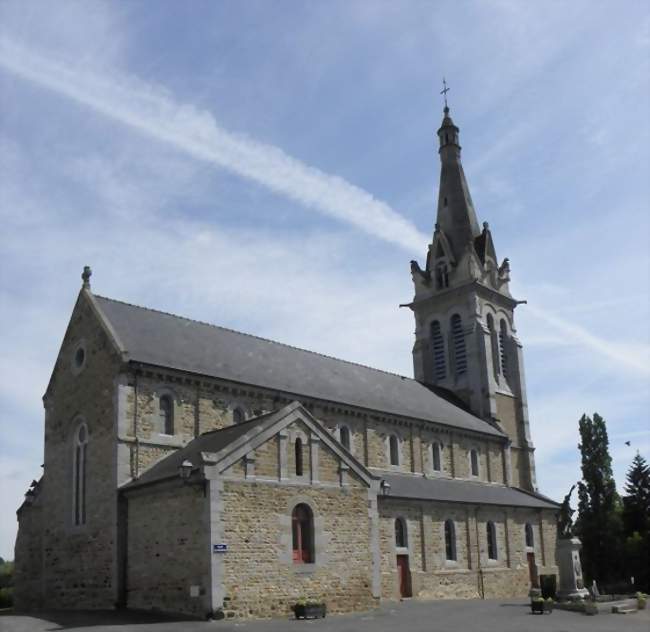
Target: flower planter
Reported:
[(541, 607), (310, 611)]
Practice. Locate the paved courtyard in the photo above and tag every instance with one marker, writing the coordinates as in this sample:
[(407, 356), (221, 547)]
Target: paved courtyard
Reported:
[(411, 616)]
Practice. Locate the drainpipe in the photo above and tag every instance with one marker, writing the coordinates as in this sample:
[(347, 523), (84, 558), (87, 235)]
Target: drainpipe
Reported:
[(136, 468), (481, 580)]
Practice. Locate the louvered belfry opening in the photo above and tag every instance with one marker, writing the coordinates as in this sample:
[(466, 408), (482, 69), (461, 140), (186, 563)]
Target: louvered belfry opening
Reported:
[(460, 352)]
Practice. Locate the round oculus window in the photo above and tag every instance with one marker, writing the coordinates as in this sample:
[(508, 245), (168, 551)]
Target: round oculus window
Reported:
[(78, 358)]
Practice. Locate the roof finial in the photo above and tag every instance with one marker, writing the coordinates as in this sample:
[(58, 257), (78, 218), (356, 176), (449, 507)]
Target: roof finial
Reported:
[(85, 277), (444, 91)]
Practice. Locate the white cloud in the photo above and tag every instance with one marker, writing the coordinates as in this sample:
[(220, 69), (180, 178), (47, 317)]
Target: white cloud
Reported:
[(633, 356), (153, 112)]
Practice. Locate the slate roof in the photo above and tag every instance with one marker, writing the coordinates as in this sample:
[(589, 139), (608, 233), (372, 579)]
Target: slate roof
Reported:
[(453, 490), (166, 340)]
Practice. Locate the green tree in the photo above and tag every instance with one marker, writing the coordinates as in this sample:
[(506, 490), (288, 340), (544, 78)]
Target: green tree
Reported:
[(636, 513), (6, 583), (636, 521), (599, 524)]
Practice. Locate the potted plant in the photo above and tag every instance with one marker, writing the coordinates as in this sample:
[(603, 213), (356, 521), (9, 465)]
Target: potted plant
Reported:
[(305, 609), (537, 605), (641, 600)]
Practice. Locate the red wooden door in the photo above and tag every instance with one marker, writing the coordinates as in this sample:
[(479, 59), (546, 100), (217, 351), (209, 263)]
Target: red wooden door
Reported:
[(532, 570), (404, 575)]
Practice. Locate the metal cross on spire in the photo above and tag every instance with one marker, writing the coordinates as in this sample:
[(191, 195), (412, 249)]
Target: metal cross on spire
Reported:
[(444, 92)]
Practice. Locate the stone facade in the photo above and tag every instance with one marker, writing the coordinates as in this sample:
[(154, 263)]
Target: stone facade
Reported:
[(77, 562), (471, 574), (166, 562), (120, 405)]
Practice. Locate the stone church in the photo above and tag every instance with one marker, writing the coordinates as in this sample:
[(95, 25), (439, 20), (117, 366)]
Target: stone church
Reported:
[(194, 469)]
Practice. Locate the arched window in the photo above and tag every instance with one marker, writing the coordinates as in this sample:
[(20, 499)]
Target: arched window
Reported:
[(79, 475), (473, 462), (302, 530), (460, 353), (401, 540), (435, 457), (166, 407), (238, 415), (450, 540), (494, 344), (344, 434), (503, 347), (438, 343), (530, 539), (299, 463), (492, 540), (393, 449), (442, 276)]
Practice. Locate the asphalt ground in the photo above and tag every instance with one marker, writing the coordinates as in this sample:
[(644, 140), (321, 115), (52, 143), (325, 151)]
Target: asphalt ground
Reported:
[(407, 616)]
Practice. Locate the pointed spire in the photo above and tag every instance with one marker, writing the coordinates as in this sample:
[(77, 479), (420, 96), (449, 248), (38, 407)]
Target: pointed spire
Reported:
[(456, 215)]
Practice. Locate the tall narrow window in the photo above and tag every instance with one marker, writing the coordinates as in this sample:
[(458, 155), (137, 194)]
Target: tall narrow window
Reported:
[(503, 347), (494, 344), (435, 456), (442, 276), (473, 462), (299, 463), (393, 448), (344, 434), (492, 540), (460, 353), (79, 475), (438, 343), (166, 406), (450, 540), (530, 540), (401, 541), (302, 530), (238, 416)]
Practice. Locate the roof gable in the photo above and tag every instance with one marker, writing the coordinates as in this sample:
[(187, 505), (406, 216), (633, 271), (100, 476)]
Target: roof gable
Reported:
[(165, 340), (223, 448)]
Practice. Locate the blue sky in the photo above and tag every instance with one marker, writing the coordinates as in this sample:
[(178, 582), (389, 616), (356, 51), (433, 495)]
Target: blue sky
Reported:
[(272, 167)]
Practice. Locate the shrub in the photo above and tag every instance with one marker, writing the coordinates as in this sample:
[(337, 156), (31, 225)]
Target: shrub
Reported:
[(6, 597)]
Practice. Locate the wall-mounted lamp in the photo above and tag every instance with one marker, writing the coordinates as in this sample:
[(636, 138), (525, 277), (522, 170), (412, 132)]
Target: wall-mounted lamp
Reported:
[(185, 470), (385, 487)]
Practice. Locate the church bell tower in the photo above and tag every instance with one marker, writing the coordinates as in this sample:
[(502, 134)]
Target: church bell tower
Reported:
[(465, 336)]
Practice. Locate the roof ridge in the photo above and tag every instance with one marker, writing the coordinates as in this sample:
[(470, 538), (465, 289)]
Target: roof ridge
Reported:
[(243, 333)]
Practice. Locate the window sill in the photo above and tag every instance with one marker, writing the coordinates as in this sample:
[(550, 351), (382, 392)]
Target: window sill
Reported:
[(304, 569)]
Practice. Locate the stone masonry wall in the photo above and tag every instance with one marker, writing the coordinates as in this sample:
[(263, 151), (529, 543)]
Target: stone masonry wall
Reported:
[(472, 574), (78, 561), (209, 404), (29, 558), (168, 550), (260, 578)]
